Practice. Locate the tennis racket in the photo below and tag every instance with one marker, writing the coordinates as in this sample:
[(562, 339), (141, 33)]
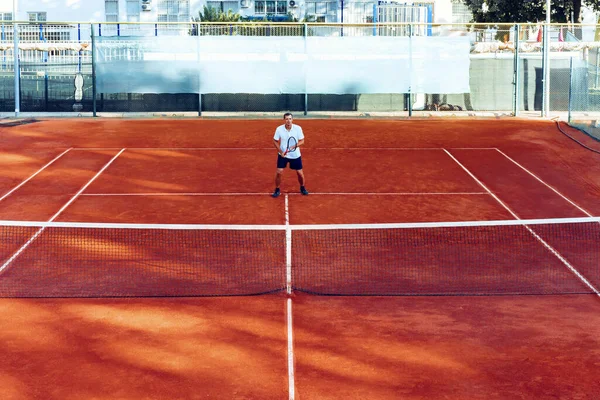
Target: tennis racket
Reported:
[(292, 143)]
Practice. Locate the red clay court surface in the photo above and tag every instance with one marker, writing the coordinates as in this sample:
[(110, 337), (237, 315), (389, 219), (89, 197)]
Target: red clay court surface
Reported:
[(358, 171)]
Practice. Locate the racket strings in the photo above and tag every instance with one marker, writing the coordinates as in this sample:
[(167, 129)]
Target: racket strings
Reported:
[(291, 145)]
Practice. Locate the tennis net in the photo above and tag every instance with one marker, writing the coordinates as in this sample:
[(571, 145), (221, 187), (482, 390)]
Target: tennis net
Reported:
[(64, 259)]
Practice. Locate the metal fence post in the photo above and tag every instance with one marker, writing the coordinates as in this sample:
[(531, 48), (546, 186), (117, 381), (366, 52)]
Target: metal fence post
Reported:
[(410, 70), (374, 19), (94, 70), (597, 66), (80, 51), (45, 61), (198, 66), (570, 87), (16, 68), (516, 72), (3, 37), (546, 70), (305, 32)]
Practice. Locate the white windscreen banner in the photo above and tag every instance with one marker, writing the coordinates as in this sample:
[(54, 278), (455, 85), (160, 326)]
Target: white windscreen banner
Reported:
[(440, 64), (241, 64), (146, 64), (275, 65)]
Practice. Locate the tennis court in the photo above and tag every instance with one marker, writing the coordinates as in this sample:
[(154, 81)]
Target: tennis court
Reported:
[(434, 258)]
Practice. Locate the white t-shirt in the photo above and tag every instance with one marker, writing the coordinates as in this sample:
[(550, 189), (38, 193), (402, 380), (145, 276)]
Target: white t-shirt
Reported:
[(283, 134)]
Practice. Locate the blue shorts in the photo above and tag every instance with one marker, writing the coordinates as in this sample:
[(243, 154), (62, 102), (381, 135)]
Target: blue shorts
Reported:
[(295, 163)]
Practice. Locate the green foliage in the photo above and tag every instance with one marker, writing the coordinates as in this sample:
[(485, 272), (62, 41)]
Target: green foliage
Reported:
[(211, 14), (522, 11), (289, 17), (265, 25), (309, 18)]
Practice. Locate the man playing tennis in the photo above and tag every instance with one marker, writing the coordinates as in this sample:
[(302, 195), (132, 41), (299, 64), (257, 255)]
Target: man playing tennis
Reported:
[(287, 140)]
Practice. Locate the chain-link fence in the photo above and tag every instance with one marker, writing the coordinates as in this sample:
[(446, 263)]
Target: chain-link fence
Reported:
[(584, 92), (507, 70)]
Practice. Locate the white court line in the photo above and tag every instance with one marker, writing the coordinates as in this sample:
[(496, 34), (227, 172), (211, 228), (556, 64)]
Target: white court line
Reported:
[(288, 268), (271, 148), (547, 185), (482, 185), (292, 194), (535, 235), (290, 339), (18, 252), (390, 225), (32, 176), (174, 148), (85, 186), (472, 148), (288, 247)]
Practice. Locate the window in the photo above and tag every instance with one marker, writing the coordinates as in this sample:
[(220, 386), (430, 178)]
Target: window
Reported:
[(281, 7), (270, 7), (111, 9), (133, 11), (173, 10), (259, 7), (57, 35), (36, 16), (359, 13), (224, 6), (322, 11), (321, 7), (184, 9), (461, 14), (5, 16)]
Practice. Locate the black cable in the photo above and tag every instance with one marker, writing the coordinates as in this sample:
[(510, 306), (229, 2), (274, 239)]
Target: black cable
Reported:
[(575, 140)]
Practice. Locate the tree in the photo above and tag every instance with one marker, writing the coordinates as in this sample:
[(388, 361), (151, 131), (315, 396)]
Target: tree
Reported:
[(211, 14), (511, 11)]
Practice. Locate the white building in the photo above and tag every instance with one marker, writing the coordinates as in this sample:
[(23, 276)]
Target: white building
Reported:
[(53, 10), (349, 11)]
